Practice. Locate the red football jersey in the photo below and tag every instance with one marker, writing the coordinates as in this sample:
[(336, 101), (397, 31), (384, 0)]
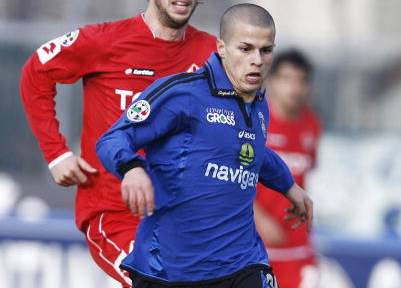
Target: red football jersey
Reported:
[(296, 142), (116, 61)]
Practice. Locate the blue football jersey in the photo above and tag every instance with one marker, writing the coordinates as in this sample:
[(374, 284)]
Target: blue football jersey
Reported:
[(205, 153)]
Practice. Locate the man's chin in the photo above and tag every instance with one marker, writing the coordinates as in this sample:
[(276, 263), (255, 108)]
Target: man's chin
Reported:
[(179, 20), (251, 89), (177, 23)]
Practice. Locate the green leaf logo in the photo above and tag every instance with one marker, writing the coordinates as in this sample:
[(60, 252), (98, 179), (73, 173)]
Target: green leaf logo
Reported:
[(247, 154)]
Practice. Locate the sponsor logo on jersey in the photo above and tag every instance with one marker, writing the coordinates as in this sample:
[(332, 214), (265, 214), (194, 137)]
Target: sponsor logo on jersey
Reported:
[(124, 97), (50, 49), (308, 140), (239, 175), (139, 72), (299, 163), (246, 135), (225, 92), (220, 116), (138, 111), (262, 124), (277, 140), (246, 154)]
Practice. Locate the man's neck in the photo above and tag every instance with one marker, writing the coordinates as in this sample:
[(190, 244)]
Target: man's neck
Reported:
[(247, 98), (160, 31)]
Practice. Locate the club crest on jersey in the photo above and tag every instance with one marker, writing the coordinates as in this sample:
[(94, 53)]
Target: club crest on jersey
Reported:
[(262, 124), (193, 68), (138, 111), (50, 49), (246, 154)]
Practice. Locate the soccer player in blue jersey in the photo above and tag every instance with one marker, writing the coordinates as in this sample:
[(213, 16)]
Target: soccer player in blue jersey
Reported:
[(204, 136)]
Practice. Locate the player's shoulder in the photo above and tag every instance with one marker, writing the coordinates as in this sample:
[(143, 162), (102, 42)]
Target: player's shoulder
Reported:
[(196, 34), (177, 81), (177, 86), (113, 28), (166, 93)]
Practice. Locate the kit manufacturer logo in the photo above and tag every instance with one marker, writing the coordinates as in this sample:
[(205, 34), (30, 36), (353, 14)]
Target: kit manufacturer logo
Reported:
[(246, 135), (139, 72)]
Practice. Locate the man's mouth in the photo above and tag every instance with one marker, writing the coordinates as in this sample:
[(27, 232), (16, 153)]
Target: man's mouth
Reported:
[(182, 3), (181, 6), (253, 77)]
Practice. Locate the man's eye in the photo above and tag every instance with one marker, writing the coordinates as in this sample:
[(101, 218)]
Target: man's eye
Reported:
[(267, 50), (245, 49)]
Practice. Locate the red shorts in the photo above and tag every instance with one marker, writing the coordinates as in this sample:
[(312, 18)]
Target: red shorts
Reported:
[(110, 237)]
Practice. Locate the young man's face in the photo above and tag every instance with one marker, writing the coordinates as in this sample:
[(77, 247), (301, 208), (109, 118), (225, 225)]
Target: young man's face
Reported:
[(247, 56), (290, 87), (175, 13)]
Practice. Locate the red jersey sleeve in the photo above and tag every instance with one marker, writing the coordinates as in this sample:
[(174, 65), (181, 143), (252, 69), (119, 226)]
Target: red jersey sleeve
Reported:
[(317, 130), (62, 60)]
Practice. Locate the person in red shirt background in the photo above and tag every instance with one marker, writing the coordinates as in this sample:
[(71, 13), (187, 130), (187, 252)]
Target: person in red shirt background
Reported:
[(294, 132), (116, 61)]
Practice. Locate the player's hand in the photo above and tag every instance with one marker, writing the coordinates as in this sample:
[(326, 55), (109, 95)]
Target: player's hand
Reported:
[(302, 209), (137, 192), (72, 171)]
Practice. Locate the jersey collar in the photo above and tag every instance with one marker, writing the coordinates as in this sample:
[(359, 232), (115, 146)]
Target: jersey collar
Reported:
[(154, 35), (219, 83)]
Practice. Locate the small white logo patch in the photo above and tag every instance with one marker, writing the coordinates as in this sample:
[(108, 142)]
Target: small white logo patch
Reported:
[(139, 72), (51, 48), (139, 111), (69, 38), (246, 135)]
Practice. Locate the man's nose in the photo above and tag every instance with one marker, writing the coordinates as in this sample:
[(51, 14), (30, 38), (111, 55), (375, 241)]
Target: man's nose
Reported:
[(257, 58)]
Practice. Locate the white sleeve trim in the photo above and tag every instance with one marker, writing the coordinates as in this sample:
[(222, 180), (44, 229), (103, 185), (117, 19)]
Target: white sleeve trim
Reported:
[(59, 159)]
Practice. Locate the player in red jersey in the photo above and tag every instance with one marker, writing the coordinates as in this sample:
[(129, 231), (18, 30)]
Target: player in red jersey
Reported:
[(294, 131), (116, 61)]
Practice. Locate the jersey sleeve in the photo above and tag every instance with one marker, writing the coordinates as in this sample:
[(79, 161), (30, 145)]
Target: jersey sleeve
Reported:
[(152, 116), (62, 60), (317, 129), (275, 173)]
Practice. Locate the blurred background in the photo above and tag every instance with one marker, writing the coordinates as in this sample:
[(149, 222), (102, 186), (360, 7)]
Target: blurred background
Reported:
[(356, 49)]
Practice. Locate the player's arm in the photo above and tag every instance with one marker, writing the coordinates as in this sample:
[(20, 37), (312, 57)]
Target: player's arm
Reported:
[(276, 175), (144, 122), (269, 230), (62, 60)]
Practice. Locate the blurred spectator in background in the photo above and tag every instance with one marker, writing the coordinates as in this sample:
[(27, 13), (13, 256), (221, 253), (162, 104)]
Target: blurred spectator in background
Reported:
[(116, 61), (9, 194), (294, 131)]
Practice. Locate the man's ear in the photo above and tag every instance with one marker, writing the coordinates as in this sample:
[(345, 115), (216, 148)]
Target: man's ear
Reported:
[(221, 48)]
